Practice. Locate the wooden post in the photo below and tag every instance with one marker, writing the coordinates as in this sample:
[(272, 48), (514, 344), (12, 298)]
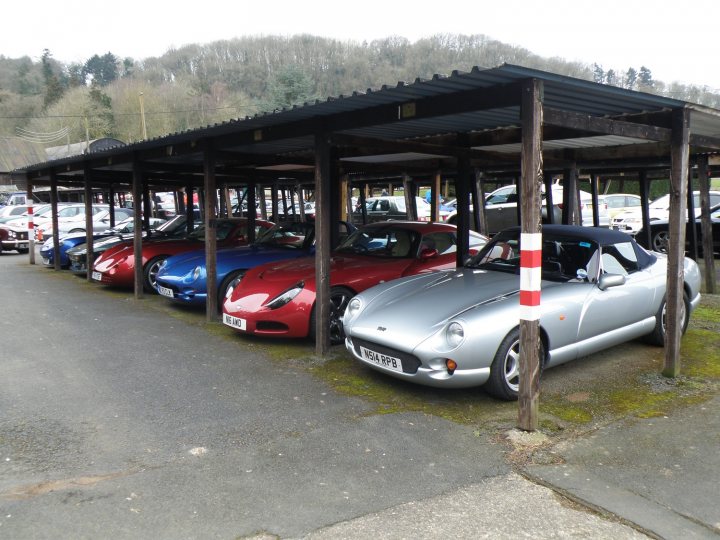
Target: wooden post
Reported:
[(595, 199), (344, 199), (111, 202), (435, 197), (691, 228), (645, 208), (530, 254), (477, 195), (89, 232), (190, 208), (679, 152), (252, 212), (210, 189), (137, 181), (462, 190), (322, 244), (706, 225), (409, 193), (274, 202), (147, 205), (549, 199), (571, 207), (301, 201)]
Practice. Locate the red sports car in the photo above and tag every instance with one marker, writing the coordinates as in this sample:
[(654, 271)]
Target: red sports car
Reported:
[(116, 266), (278, 299)]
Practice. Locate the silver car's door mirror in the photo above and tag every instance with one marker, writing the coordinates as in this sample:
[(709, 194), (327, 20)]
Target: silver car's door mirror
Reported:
[(610, 280)]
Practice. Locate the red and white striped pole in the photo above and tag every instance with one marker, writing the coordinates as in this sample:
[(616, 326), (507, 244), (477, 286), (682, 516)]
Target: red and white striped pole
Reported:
[(31, 227), (530, 275)]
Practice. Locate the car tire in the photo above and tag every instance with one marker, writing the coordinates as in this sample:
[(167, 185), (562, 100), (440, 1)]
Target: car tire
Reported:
[(225, 285), (504, 381), (150, 272), (657, 336), (339, 298), (660, 241)]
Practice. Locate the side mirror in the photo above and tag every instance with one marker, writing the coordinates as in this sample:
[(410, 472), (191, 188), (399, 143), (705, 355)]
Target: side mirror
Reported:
[(610, 280), (428, 253)]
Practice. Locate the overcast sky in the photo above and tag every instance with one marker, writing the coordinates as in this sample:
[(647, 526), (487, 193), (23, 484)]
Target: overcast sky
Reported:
[(676, 40)]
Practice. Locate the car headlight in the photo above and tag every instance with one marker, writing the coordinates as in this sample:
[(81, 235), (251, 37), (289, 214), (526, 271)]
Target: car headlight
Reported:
[(454, 334), (48, 244), (196, 273), (287, 296), (353, 308)]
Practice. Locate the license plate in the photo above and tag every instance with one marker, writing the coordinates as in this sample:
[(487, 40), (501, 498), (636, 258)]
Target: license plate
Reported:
[(164, 291), (22, 246), (384, 360), (97, 276), (235, 322), (46, 260)]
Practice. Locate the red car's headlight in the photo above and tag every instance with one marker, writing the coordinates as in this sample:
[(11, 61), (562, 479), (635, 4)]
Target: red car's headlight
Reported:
[(287, 296)]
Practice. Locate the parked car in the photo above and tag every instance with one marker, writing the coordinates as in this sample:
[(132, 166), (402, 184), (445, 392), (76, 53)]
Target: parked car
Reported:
[(116, 266), (631, 220), (12, 211), (13, 237), (620, 202), (387, 207), (459, 328), (183, 278), (278, 299), (76, 223), (501, 208), (77, 256), (72, 240), (659, 232)]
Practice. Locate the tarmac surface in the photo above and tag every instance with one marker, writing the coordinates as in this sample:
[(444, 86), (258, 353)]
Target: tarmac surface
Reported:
[(119, 421)]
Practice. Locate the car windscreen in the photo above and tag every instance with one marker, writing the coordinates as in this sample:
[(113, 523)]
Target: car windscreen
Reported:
[(386, 242), (295, 235)]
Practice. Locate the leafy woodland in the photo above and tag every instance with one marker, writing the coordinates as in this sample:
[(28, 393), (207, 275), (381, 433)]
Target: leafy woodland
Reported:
[(203, 84)]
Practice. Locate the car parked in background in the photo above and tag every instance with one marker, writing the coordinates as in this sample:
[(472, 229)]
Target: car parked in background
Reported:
[(501, 209), (76, 223), (72, 240), (393, 207), (13, 238), (77, 255), (659, 233), (278, 299), (620, 202), (460, 328), (630, 221), (183, 278), (116, 266)]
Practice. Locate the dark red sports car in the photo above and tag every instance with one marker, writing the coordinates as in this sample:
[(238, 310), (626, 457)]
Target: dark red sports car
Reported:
[(116, 266), (278, 299)]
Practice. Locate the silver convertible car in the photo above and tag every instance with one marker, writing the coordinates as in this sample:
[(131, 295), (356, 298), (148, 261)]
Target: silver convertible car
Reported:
[(460, 328)]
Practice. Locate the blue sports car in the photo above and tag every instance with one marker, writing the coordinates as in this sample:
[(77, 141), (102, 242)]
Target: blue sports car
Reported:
[(182, 277)]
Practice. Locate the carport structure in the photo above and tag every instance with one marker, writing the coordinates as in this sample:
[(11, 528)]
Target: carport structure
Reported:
[(507, 122)]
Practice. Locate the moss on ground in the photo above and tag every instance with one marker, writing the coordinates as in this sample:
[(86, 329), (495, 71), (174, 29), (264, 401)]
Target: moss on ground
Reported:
[(623, 381)]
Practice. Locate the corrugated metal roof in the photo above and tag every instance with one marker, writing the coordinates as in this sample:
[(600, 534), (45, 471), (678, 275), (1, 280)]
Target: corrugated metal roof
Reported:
[(560, 92)]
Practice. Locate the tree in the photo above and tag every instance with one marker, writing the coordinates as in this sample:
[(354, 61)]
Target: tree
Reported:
[(598, 73), (645, 80), (631, 78), (101, 69), (290, 86), (53, 87), (611, 77)]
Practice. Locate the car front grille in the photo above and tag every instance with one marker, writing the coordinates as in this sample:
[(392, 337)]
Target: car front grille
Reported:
[(410, 363)]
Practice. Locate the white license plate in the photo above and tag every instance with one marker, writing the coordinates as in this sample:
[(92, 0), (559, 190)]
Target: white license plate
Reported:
[(97, 276), (384, 360), (164, 291), (22, 246), (235, 322), (46, 260)]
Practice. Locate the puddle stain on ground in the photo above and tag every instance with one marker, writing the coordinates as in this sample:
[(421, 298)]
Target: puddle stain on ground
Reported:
[(35, 490)]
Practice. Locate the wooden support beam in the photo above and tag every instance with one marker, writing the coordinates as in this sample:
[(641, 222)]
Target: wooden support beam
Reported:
[(89, 232), (435, 197), (530, 185), (31, 223), (604, 126), (645, 206), (409, 193), (462, 190), (676, 245), (706, 225), (478, 201), (595, 199), (137, 232), (322, 244), (210, 217)]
